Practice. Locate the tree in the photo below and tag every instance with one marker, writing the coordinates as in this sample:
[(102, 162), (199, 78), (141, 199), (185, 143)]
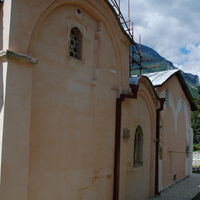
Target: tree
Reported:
[(196, 120)]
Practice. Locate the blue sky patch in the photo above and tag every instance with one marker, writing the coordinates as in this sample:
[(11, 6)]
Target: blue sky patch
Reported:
[(197, 44), (184, 51)]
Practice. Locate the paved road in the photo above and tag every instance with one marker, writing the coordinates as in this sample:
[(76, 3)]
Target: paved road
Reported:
[(184, 190)]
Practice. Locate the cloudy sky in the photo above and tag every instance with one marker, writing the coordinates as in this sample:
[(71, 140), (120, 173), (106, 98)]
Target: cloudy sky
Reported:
[(171, 27)]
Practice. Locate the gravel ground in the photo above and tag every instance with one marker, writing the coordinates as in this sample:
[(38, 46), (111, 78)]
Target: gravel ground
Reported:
[(183, 190)]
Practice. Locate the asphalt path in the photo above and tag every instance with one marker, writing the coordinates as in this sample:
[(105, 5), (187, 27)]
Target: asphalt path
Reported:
[(183, 190)]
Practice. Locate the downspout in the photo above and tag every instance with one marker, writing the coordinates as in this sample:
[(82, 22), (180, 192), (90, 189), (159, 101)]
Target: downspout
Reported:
[(117, 148), (162, 100), (116, 183)]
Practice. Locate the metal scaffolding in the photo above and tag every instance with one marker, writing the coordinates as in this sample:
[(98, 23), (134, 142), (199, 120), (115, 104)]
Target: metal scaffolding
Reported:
[(135, 58)]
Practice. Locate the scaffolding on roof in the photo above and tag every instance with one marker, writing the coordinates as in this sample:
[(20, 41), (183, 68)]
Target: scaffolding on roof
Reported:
[(135, 58)]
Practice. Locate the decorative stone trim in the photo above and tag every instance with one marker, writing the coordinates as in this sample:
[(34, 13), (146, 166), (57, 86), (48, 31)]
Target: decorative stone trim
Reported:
[(6, 55)]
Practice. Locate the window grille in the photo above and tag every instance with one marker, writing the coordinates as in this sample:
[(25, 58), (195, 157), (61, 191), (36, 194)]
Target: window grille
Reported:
[(75, 46)]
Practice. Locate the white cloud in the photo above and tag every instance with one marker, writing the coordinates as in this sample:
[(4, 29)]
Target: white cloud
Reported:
[(167, 26)]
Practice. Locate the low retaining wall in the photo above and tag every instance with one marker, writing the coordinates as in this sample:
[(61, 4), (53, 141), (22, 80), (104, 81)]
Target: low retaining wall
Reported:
[(196, 162)]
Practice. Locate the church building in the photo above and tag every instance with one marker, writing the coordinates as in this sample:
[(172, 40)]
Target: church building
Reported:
[(176, 134), (73, 124)]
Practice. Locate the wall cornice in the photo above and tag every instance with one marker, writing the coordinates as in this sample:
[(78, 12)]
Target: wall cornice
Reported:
[(7, 55)]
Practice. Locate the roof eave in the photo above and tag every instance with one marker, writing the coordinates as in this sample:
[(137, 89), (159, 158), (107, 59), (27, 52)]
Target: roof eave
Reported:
[(184, 87), (150, 83), (186, 91)]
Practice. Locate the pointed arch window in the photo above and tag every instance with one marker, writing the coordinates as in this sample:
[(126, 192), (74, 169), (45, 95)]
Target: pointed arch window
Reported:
[(138, 147), (75, 44)]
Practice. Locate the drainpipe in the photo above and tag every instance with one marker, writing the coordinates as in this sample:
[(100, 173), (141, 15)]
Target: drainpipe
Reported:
[(116, 183), (162, 100), (117, 148)]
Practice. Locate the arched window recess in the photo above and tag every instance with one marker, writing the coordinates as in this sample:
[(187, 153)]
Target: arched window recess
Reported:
[(138, 147)]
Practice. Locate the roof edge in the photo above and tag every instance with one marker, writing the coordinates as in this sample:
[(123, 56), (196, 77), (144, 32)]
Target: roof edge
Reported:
[(184, 87), (118, 21), (175, 71), (138, 78), (186, 90)]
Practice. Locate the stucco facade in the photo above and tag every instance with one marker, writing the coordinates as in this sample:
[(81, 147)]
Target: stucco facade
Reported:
[(58, 119), (138, 182), (68, 125), (176, 134)]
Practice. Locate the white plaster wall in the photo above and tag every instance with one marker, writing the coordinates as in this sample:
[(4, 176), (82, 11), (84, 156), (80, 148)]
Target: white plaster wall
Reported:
[(7, 6), (179, 105), (3, 76)]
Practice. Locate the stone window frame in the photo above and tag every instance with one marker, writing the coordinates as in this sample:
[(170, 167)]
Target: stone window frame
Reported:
[(138, 147)]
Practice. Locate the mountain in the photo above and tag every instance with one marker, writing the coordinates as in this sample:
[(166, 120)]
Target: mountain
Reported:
[(155, 59)]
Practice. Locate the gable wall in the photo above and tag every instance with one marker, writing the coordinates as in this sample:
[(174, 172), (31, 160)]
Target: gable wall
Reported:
[(137, 183), (175, 134)]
